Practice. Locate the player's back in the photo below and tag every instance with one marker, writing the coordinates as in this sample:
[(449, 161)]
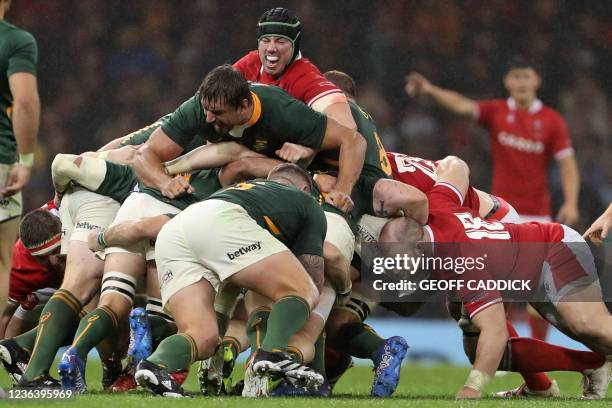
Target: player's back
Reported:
[(512, 250), (282, 209), (421, 174)]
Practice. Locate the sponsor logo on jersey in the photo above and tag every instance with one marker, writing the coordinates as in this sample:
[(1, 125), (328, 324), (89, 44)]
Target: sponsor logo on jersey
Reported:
[(167, 277), (244, 250), (520, 143), (86, 225)]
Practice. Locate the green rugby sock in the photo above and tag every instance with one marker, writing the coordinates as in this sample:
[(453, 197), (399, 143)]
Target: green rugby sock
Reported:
[(26, 340), (175, 353), (58, 320), (257, 327), (359, 340), (232, 345), (287, 316), (160, 329), (94, 327), (318, 361)]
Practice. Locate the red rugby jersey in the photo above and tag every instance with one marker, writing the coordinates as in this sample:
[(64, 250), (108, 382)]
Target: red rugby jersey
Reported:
[(420, 173), (302, 79), (522, 143), (450, 222)]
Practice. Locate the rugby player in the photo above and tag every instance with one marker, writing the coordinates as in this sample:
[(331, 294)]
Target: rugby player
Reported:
[(525, 136), (261, 117), (36, 273), (19, 118), (259, 219), (278, 61), (575, 279), (123, 265)]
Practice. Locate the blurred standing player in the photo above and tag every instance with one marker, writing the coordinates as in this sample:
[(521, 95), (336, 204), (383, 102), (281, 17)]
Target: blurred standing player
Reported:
[(278, 61), (525, 135), (19, 116)]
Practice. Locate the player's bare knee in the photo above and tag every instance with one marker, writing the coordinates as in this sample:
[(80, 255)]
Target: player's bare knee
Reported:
[(206, 341)]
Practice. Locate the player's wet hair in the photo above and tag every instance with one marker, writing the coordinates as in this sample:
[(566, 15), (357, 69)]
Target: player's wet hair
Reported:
[(39, 227), (225, 84), (343, 81), (280, 22), (292, 172), (520, 62)]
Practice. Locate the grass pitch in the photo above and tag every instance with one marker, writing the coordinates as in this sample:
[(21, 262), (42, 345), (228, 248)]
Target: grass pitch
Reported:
[(420, 386)]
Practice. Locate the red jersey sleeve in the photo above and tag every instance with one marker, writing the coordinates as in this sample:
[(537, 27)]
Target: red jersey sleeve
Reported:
[(444, 195), (560, 144), (309, 84), (486, 111)]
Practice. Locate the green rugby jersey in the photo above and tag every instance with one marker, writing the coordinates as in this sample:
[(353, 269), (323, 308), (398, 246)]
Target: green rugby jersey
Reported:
[(18, 53), (375, 164), (204, 182), (290, 215), (119, 181), (277, 118), (140, 136)]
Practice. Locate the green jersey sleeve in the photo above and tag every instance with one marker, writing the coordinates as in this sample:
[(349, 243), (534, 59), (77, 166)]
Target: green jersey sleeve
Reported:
[(25, 53), (185, 123), (142, 135), (312, 234), (289, 118)]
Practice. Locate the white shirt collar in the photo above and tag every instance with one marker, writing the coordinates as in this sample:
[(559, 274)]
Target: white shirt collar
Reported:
[(536, 105)]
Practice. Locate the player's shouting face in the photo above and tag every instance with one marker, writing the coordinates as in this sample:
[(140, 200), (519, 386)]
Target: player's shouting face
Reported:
[(275, 54), (522, 84)]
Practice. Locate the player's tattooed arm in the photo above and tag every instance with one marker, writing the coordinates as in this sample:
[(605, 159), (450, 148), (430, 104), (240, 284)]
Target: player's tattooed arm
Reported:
[(314, 266)]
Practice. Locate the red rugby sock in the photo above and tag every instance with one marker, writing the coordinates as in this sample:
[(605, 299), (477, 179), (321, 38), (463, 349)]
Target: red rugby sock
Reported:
[(535, 380)]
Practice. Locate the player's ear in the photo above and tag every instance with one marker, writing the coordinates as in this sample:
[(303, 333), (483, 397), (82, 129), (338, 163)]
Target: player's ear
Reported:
[(244, 104)]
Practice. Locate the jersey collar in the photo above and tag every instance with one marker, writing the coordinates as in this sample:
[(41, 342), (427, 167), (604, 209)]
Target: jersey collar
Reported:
[(535, 107), (237, 130)]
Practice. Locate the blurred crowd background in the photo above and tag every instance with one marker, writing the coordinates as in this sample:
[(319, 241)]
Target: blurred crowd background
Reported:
[(109, 67)]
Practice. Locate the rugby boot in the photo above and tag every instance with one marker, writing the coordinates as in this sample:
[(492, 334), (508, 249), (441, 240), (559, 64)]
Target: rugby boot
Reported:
[(14, 359), (141, 342), (111, 371), (287, 389), (278, 365), (157, 380), (43, 381), (71, 369), (523, 391), (595, 382), (387, 366)]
